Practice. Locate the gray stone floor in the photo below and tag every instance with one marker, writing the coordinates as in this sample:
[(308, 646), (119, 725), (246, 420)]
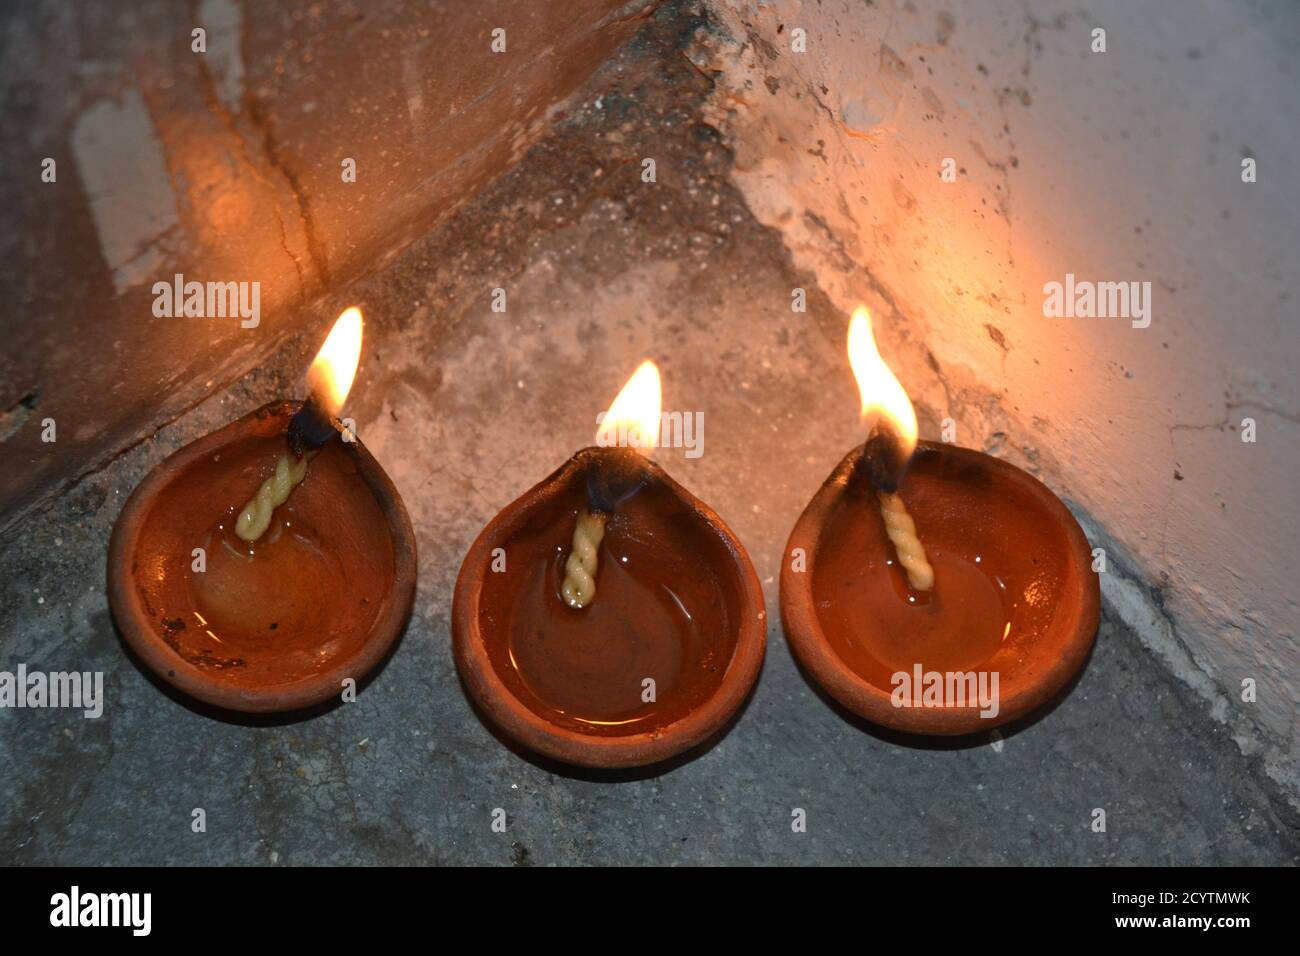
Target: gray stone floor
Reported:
[(467, 408)]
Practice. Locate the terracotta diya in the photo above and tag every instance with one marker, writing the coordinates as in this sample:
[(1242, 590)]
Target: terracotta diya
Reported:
[(1007, 612), (272, 607), (608, 617)]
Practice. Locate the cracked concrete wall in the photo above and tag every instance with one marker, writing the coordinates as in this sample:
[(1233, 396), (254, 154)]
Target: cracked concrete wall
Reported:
[(1123, 165), (225, 164)]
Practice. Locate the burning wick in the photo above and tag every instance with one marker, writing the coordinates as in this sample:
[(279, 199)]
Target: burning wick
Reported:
[(328, 382), (889, 445), (635, 414)]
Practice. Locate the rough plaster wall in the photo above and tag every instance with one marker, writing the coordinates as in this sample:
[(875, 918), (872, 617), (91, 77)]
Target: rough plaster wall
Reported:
[(1123, 165)]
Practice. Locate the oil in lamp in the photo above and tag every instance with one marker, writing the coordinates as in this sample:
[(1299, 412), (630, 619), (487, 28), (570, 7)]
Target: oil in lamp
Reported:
[(262, 566), (608, 617), (930, 588)]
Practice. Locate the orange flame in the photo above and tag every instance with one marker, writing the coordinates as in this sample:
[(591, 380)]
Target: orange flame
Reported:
[(633, 419), (330, 377), (883, 396)]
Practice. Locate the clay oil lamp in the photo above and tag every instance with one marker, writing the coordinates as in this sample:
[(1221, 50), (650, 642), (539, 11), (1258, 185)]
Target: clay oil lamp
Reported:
[(934, 589), (262, 566), (609, 618)]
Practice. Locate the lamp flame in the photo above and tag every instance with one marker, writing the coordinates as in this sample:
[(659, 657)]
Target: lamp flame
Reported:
[(633, 419), (330, 377), (883, 396)]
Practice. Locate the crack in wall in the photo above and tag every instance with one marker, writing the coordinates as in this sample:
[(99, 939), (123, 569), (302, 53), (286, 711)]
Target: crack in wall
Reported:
[(263, 124), (274, 155), (219, 109)]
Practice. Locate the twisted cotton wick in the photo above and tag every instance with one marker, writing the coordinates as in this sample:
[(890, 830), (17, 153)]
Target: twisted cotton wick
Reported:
[(580, 569), (902, 531), (256, 516)]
